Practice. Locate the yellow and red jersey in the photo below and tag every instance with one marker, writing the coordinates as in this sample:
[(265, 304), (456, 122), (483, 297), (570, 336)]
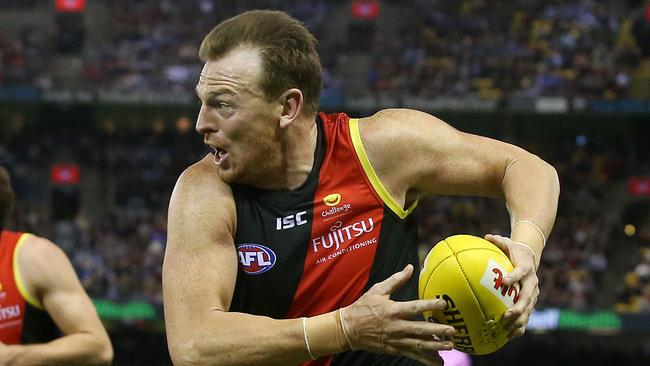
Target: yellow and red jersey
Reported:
[(320, 247), (22, 317)]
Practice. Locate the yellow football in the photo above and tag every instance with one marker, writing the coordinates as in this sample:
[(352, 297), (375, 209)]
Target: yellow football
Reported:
[(467, 272)]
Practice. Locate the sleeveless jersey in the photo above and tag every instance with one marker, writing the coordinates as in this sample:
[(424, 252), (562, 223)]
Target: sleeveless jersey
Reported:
[(315, 249), (22, 318)]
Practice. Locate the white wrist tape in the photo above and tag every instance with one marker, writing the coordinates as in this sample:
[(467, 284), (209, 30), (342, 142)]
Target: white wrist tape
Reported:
[(344, 326), (304, 333), (534, 226)]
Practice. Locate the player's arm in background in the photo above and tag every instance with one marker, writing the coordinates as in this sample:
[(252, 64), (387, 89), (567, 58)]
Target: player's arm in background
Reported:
[(199, 275), (416, 154), (48, 276)]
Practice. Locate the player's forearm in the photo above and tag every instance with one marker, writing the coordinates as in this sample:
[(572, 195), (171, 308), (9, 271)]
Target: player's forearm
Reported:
[(229, 338), (531, 188), (74, 349)]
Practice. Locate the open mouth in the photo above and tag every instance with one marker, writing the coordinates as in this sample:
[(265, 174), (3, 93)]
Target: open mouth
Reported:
[(220, 156)]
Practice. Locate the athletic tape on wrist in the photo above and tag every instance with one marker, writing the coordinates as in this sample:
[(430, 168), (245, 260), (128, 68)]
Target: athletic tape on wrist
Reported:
[(325, 334), (534, 226), (304, 333), (343, 327)]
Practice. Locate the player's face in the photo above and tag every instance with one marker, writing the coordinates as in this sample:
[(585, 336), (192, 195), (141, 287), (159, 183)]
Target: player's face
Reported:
[(236, 120)]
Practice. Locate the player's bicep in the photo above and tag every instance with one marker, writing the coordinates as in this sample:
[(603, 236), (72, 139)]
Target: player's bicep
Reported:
[(199, 271), (73, 311), (464, 164), (200, 265), (415, 152), (50, 272), (443, 160)]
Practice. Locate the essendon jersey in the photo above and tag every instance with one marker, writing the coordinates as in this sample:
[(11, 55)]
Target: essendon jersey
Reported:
[(320, 247), (22, 318)]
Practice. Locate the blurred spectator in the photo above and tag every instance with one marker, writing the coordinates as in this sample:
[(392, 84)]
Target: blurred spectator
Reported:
[(634, 296)]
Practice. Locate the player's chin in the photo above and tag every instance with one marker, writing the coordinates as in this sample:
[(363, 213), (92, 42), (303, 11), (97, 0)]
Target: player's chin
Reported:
[(229, 175)]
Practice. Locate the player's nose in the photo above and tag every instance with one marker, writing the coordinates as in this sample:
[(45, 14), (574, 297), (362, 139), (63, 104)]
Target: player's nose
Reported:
[(204, 124)]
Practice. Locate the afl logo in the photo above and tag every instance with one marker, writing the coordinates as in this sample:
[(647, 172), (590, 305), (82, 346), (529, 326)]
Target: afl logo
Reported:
[(332, 199), (255, 258)]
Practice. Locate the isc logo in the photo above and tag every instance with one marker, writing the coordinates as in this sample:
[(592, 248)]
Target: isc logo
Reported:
[(255, 258), (290, 221)]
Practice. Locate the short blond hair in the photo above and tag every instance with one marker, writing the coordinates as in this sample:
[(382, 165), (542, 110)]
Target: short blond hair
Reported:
[(287, 48)]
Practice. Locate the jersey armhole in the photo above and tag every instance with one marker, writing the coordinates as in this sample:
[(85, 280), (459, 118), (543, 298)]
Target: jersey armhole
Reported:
[(19, 280), (372, 175)]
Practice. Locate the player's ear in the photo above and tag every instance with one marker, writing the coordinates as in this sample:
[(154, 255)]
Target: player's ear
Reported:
[(292, 104)]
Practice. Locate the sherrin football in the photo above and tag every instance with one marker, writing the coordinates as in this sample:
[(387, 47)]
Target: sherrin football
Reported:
[(468, 272)]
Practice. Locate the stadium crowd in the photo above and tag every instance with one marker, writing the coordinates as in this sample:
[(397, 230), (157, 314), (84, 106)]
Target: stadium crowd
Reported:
[(634, 296), (492, 49), (151, 45), (509, 48)]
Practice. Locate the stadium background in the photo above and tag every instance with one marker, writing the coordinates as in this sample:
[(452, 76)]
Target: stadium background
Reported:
[(97, 112)]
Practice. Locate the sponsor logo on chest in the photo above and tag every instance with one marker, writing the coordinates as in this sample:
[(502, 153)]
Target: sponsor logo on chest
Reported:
[(340, 230), (341, 235), (334, 207)]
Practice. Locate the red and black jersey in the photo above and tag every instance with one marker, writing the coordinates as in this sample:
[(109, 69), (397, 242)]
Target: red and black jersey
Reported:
[(315, 249), (22, 318)]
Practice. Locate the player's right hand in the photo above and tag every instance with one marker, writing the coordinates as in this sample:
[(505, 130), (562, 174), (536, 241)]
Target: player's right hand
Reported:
[(377, 324)]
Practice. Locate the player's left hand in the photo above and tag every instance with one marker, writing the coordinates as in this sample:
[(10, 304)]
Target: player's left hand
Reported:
[(516, 318)]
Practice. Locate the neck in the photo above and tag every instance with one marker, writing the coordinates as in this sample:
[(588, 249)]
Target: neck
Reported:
[(297, 155)]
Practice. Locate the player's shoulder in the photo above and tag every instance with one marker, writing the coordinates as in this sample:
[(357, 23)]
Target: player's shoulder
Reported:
[(403, 128), (202, 177), (399, 117), (39, 259), (201, 206), (40, 248), (200, 192)]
